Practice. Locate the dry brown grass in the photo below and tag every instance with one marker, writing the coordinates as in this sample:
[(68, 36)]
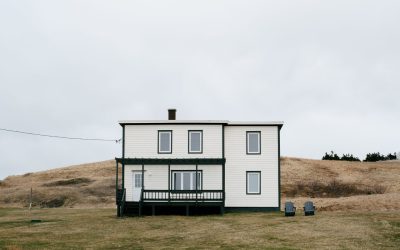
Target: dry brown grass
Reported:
[(340, 185), (86, 185), (346, 218), (331, 189), (359, 173), (68, 182), (332, 185), (99, 229)]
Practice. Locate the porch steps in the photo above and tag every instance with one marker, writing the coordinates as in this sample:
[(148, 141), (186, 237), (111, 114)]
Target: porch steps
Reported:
[(131, 209), (120, 194)]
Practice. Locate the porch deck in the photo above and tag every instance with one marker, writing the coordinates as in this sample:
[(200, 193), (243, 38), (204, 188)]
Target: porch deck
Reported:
[(172, 199), (182, 195)]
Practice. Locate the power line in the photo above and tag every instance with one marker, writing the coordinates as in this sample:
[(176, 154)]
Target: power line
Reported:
[(60, 137)]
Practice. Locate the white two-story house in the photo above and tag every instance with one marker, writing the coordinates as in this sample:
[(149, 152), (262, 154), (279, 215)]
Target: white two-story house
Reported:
[(194, 166)]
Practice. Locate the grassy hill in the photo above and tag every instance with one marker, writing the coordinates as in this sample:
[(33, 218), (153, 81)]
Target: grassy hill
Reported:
[(85, 185), (341, 185), (332, 185)]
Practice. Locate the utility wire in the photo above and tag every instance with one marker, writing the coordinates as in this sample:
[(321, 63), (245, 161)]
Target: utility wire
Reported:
[(60, 137)]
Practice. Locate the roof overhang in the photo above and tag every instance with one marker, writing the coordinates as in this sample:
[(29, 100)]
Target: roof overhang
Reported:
[(207, 122), (171, 161), (256, 123), (155, 122)]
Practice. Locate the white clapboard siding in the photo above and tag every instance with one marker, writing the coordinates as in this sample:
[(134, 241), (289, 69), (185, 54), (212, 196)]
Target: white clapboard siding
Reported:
[(156, 176), (238, 162), (141, 141)]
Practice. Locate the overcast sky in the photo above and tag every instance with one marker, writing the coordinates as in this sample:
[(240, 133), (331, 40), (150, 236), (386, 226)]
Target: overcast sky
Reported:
[(329, 69)]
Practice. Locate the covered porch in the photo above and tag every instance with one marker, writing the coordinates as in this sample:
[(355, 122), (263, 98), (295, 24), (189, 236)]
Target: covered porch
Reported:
[(174, 195)]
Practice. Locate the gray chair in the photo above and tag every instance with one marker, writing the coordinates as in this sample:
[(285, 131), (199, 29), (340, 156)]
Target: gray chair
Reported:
[(309, 208), (290, 209)]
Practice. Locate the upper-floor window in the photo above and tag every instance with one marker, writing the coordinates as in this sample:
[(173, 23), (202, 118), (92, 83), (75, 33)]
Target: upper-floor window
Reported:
[(253, 142), (195, 141), (164, 141)]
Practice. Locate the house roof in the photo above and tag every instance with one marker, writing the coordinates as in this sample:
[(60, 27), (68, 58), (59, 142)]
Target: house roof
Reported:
[(225, 122), (260, 123)]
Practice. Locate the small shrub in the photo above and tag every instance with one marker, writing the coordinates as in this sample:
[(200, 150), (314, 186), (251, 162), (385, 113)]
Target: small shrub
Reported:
[(335, 157), (331, 156), (391, 156), (373, 157), (349, 157)]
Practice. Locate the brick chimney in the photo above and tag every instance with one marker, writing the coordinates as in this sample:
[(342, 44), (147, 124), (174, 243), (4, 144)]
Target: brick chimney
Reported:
[(171, 114)]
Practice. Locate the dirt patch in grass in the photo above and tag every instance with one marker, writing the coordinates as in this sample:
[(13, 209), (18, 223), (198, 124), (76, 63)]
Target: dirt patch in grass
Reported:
[(332, 189), (67, 182)]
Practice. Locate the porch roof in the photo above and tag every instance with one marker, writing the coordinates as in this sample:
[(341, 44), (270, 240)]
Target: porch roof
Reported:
[(171, 161)]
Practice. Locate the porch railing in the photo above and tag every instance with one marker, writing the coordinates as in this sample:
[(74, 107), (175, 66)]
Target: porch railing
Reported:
[(183, 195)]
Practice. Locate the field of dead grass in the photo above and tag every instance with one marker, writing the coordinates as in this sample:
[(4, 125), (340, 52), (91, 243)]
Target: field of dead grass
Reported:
[(63, 228), (332, 185), (341, 185), (86, 185)]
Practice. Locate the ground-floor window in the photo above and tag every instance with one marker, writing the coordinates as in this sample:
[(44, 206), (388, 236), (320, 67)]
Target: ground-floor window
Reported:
[(137, 180), (186, 180), (253, 182)]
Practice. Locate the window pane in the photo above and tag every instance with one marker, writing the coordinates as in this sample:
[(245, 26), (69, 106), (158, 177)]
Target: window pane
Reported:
[(195, 141), (253, 183), (186, 180), (253, 143), (193, 184), (165, 142), (177, 181), (198, 181), (138, 180)]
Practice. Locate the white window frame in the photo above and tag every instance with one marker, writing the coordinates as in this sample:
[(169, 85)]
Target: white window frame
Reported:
[(258, 133), (192, 179), (248, 182), (159, 141), (190, 142)]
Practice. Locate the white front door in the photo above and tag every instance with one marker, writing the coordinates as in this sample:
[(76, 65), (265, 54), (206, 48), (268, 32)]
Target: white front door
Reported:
[(137, 185)]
